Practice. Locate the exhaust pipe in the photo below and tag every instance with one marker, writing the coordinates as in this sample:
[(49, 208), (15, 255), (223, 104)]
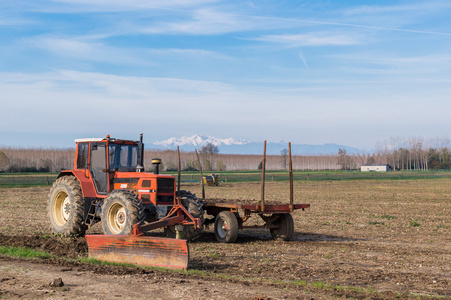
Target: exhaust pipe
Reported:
[(140, 166), (156, 163)]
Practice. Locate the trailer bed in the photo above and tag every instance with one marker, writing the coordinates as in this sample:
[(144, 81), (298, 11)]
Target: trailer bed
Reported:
[(255, 208), (229, 217)]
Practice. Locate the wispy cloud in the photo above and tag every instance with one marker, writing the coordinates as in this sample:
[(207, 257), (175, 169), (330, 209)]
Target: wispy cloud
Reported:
[(131, 5), (206, 21), (86, 94), (418, 64), (89, 49), (6, 20), (311, 39), (303, 60), (413, 7), (211, 21), (207, 17), (68, 46)]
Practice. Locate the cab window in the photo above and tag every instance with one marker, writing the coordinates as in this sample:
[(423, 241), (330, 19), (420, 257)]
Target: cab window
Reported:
[(123, 157), (82, 157)]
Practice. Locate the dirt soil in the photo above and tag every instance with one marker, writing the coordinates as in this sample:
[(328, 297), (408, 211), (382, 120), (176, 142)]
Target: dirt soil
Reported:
[(360, 239)]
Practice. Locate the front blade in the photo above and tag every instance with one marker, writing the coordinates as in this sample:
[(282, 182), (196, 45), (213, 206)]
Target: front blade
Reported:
[(140, 250)]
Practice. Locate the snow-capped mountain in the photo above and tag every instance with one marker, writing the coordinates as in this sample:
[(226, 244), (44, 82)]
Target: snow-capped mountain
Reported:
[(232, 146), (198, 141)]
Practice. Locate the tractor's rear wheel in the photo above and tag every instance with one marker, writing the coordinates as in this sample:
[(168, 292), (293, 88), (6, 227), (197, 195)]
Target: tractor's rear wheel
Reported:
[(284, 228), (66, 207), (120, 211), (226, 227), (195, 208)]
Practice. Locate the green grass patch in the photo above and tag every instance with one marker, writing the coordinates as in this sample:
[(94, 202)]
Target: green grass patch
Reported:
[(312, 175), (23, 252), (376, 223), (319, 284), (26, 180), (300, 282), (387, 217), (12, 180), (94, 261), (415, 223), (214, 255)]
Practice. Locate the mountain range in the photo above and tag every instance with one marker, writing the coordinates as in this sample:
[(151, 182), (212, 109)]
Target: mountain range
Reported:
[(232, 146)]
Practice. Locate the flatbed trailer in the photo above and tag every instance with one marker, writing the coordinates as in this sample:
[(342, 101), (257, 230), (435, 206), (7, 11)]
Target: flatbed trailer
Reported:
[(227, 219)]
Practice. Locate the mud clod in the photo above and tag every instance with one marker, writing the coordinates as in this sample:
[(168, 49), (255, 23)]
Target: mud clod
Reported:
[(58, 282)]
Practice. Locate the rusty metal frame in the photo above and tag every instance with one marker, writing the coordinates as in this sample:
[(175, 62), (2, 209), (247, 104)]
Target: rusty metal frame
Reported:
[(179, 177), (291, 176), (262, 209), (201, 175), (177, 215), (263, 178), (256, 208)]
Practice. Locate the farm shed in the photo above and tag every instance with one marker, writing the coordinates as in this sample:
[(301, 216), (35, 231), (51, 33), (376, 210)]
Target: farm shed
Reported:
[(374, 168)]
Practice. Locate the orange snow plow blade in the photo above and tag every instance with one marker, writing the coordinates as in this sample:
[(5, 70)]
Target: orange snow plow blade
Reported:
[(140, 250)]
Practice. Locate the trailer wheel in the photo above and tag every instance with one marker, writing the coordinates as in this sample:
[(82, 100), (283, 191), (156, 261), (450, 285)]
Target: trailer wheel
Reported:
[(66, 207), (226, 227), (195, 208), (285, 228), (120, 211)]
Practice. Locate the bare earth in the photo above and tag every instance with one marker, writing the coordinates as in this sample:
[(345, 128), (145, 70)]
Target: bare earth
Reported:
[(374, 239)]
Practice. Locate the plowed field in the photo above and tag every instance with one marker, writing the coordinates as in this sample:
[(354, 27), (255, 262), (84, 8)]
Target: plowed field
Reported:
[(377, 239)]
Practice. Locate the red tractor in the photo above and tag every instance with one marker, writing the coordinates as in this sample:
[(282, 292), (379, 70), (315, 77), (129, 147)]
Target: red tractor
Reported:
[(108, 184)]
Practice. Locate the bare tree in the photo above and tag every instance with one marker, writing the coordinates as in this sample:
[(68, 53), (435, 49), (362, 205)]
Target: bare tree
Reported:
[(284, 160), (208, 153), (342, 159), (4, 161)]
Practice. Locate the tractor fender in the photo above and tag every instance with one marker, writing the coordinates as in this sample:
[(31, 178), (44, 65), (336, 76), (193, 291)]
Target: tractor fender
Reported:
[(87, 186)]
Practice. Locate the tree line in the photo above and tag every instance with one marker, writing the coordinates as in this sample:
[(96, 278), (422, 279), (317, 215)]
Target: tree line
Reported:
[(400, 153), (14, 160), (412, 153)]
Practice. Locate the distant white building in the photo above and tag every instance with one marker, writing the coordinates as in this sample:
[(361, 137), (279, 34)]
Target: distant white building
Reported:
[(374, 168)]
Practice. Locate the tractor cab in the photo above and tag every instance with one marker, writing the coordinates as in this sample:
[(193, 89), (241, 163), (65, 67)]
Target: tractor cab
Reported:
[(101, 158), (106, 164)]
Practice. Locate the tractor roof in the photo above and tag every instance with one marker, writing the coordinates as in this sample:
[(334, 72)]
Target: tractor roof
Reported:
[(111, 140), (89, 140)]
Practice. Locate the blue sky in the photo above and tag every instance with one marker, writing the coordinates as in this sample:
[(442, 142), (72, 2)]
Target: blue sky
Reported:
[(309, 72)]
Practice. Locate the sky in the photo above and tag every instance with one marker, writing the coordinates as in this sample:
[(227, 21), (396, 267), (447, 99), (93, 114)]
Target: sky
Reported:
[(310, 72)]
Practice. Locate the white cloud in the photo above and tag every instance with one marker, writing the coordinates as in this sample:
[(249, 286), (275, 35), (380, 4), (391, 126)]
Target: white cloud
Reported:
[(87, 48), (205, 21), (48, 102), (68, 46), (312, 39), (125, 5), (417, 8), (407, 66), (93, 104), (6, 20)]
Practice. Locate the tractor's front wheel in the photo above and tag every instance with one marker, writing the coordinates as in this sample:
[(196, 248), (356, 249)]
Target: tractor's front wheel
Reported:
[(66, 207), (120, 211)]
